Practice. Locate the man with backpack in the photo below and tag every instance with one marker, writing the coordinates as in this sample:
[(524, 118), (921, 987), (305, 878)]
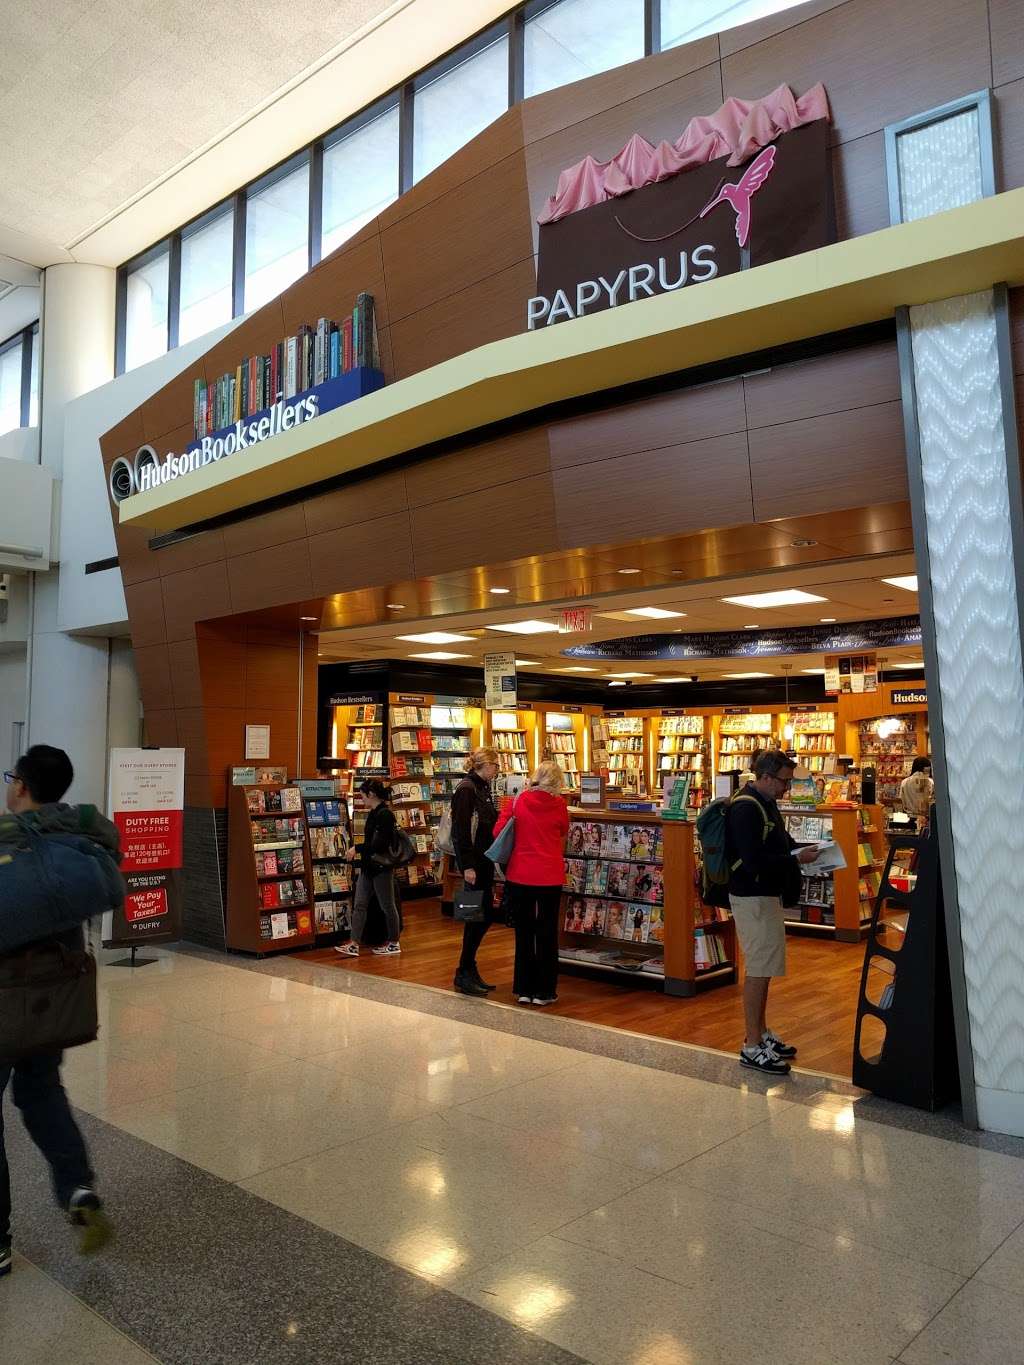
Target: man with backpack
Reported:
[(34, 790), (764, 876)]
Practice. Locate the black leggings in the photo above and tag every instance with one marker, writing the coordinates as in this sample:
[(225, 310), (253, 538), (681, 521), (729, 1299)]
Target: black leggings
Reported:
[(536, 910)]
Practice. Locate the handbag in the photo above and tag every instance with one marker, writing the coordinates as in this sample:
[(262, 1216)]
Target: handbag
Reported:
[(501, 850), (468, 904), (47, 1000)]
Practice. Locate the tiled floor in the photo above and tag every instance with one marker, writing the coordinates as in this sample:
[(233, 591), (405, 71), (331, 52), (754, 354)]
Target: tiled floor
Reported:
[(307, 1165)]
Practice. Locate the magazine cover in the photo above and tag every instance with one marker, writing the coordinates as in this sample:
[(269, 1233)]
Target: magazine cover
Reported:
[(574, 912), (321, 886), (638, 919), (641, 882), (656, 925), (657, 841), (617, 881), (326, 920), (615, 924), (574, 840), (575, 875), (291, 799), (657, 895), (597, 878), (640, 842), (272, 801), (594, 917), (614, 841), (591, 839)]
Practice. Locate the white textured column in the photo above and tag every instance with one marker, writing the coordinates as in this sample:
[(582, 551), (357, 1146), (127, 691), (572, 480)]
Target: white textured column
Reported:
[(964, 472), (77, 334)]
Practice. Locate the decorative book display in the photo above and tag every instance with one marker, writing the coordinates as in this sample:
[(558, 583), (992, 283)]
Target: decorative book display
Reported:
[(330, 838), (270, 883), (314, 356), (838, 904), (629, 904)]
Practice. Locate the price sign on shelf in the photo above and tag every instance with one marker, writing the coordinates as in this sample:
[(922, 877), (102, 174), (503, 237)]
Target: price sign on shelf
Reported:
[(575, 620)]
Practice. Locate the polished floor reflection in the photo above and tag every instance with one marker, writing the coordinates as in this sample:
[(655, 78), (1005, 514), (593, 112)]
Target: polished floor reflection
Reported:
[(433, 1184)]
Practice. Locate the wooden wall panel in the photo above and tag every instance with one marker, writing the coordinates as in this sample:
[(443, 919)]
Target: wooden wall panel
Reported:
[(263, 532), (465, 531), (192, 733), (270, 577), (858, 179), (165, 410), (488, 465), (146, 612), (879, 61), (136, 560), (124, 438), (153, 668), (330, 289), (1009, 116), (669, 419), (186, 679), (827, 463), (848, 380), (375, 551), (362, 500), (272, 674), (221, 651), (194, 595), (1017, 329), (192, 553), (658, 492), (1007, 21), (493, 308), (473, 233), (161, 729), (254, 336)]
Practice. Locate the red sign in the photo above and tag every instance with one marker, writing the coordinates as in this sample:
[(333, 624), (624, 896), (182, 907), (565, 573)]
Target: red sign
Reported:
[(147, 789), (150, 840), (575, 620), (141, 905)]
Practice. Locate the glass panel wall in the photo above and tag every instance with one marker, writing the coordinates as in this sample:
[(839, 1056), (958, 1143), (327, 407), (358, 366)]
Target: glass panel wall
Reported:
[(682, 21), (10, 387), (146, 311), (456, 106), (360, 179), (276, 235), (578, 38), (33, 406), (206, 256)]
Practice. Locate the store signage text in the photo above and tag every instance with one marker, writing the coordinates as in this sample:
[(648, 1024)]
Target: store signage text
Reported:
[(909, 697), (636, 282), (852, 636)]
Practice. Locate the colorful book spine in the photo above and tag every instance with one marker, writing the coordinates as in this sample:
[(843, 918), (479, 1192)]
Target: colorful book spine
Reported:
[(346, 345)]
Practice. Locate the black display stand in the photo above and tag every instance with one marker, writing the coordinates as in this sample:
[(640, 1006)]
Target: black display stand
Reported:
[(917, 1063)]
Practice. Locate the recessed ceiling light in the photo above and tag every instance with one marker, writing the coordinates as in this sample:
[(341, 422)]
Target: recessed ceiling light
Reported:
[(528, 663), (395, 606), (908, 581), (581, 669), (674, 680), (755, 626), (307, 618), (629, 571), (787, 597), (629, 675), (499, 592), (653, 613), (616, 684), (919, 665), (828, 620), (813, 670), (746, 675), (439, 654), (527, 627), (436, 637)]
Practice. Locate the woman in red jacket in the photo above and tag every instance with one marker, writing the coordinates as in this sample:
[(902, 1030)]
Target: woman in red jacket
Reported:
[(535, 875)]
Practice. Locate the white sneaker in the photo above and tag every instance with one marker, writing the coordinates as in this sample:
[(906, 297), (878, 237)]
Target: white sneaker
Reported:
[(387, 950), (524, 999), (548, 1000), (347, 949)]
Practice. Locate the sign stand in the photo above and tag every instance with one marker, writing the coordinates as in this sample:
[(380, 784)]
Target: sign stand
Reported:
[(133, 961)]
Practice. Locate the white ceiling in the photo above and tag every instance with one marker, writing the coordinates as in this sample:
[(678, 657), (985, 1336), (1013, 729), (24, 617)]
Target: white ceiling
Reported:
[(120, 121), (853, 591)]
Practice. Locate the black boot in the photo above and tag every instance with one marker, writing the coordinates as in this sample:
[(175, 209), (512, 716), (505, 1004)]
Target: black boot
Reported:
[(475, 974), (466, 984)]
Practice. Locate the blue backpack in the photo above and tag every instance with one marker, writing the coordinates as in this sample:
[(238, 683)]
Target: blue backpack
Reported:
[(49, 883)]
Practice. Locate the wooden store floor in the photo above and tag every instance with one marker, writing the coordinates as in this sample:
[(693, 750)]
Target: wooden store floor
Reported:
[(814, 1005)]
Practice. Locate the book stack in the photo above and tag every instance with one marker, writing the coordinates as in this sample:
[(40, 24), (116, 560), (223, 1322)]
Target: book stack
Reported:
[(708, 951), (313, 356), (740, 737)]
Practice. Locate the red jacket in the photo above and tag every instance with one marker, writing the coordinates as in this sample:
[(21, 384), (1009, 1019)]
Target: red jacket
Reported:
[(542, 822)]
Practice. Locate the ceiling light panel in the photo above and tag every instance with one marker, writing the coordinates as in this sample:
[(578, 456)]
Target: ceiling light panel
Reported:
[(653, 613), (439, 655), (436, 637), (908, 582), (747, 675), (787, 597), (527, 628)]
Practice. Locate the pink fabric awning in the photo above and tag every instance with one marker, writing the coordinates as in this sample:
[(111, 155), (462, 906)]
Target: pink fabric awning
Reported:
[(738, 130)]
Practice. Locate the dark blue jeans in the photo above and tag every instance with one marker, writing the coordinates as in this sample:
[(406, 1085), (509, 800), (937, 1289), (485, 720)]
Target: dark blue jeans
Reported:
[(37, 1091)]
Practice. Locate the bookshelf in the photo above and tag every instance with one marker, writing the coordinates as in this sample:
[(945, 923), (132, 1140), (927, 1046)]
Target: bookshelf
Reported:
[(514, 735), (269, 880), (564, 740), (329, 829), (678, 746), (626, 747), (740, 735), (359, 736), (838, 905), (889, 744), (814, 739), (630, 908), (411, 743)]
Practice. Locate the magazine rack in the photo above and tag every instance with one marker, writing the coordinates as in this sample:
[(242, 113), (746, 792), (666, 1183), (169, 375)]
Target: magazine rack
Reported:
[(904, 1046)]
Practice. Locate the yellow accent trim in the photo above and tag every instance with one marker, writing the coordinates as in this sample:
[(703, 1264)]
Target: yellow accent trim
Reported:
[(845, 285)]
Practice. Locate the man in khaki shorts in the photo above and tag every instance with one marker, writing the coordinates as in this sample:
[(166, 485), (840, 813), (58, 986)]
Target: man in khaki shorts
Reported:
[(763, 877)]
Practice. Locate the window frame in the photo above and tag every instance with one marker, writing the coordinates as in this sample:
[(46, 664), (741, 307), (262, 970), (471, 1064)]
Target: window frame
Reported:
[(27, 338)]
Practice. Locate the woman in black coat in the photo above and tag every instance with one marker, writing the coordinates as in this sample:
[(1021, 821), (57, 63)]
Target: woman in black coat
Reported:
[(376, 875), (474, 816)]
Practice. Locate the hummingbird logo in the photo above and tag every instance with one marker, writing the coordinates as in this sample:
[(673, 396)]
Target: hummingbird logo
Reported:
[(740, 194)]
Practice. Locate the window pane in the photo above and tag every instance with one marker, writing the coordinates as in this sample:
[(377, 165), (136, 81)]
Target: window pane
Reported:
[(276, 237), (206, 277), (455, 107), (10, 388), (33, 407), (579, 38), (146, 314), (360, 179), (684, 20)]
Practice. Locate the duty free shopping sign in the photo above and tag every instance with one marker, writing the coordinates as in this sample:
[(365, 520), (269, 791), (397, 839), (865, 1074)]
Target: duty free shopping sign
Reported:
[(147, 798)]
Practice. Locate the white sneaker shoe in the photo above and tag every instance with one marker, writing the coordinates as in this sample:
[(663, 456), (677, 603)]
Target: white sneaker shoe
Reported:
[(524, 999), (347, 949), (548, 1000), (387, 950)]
